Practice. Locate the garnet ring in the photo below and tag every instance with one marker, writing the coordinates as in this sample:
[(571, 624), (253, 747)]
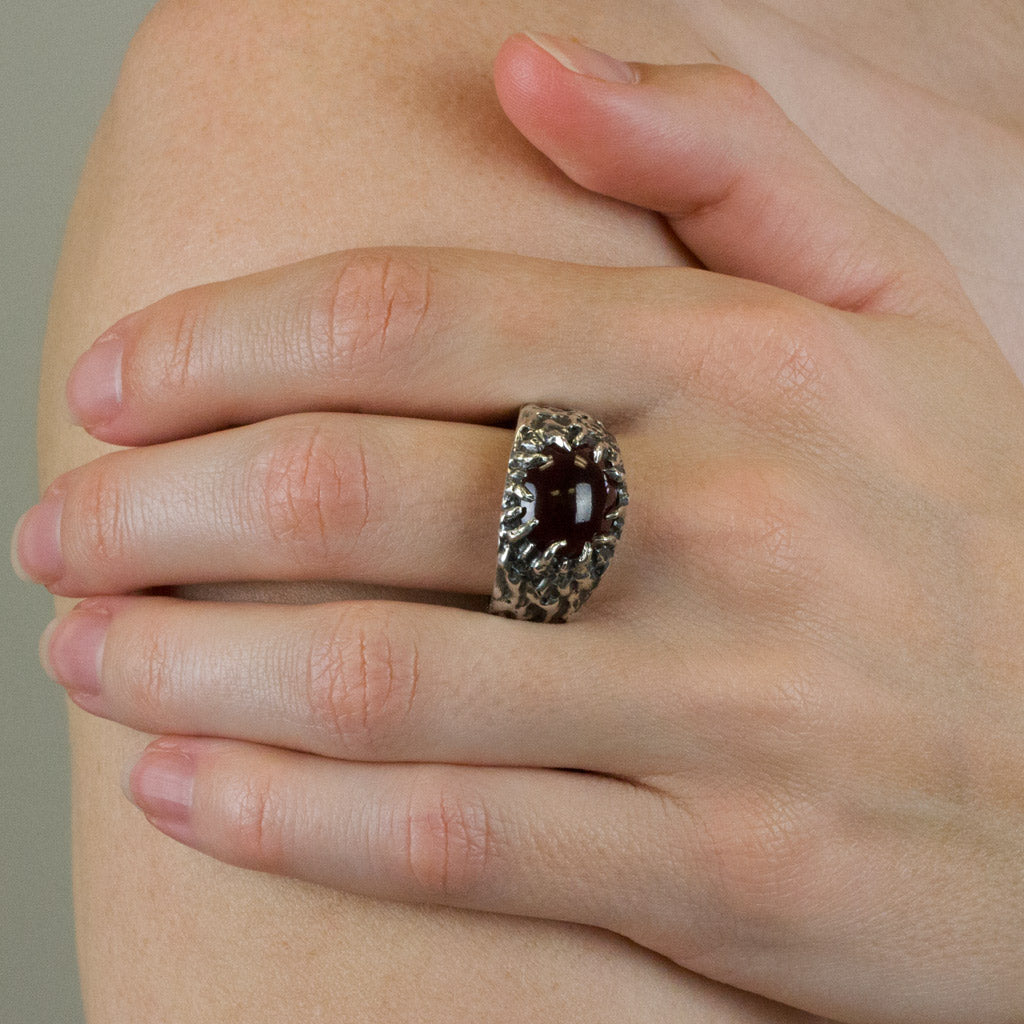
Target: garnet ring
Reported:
[(561, 514)]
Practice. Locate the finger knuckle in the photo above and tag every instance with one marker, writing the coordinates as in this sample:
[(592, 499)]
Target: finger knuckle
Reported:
[(102, 524), (256, 822), (788, 705), (448, 842), (362, 681), (182, 320), (311, 492), (777, 711), (742, 95), (777, 363), (793, 358), (781, 710), (375, 312), (749, 529), (762, 855), (153, 680)]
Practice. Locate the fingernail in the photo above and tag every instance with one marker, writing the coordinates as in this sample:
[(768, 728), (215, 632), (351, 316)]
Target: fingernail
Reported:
[(15, 558), (94, 388), (583, 60), (72, 650), (160, 783), (35, 546)]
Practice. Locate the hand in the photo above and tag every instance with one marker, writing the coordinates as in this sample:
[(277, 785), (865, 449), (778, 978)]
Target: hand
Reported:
[(783, 743)]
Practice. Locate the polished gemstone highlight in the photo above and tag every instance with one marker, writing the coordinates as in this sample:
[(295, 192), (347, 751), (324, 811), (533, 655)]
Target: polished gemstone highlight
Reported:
[(561, 514), (571, 500)]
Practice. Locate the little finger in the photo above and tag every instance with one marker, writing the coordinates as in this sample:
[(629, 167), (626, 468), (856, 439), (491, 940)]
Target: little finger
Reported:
[(530, 842)]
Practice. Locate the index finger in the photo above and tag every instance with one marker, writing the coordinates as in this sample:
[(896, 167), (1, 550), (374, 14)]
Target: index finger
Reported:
[(424, 333)]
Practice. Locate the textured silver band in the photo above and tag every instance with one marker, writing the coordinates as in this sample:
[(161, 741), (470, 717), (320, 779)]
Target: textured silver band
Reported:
[(546, 585)]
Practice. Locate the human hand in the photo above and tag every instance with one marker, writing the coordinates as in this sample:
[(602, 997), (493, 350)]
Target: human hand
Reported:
[(794, 707)]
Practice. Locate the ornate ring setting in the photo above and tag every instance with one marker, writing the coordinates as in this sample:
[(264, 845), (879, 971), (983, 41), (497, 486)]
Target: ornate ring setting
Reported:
[(562, 512)]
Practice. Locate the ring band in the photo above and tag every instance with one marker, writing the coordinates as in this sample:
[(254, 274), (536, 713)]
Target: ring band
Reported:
[(561, 514)]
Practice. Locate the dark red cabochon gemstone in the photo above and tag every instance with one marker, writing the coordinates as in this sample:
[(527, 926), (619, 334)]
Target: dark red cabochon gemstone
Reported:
[(572, 499)]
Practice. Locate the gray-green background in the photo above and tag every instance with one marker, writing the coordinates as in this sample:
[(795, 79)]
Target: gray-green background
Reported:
[(58, 63)]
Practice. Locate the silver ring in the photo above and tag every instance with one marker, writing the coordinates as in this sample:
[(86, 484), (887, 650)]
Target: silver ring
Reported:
[(561, 514)]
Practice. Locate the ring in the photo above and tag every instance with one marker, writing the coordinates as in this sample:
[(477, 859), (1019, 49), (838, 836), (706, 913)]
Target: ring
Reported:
[(561, 515)]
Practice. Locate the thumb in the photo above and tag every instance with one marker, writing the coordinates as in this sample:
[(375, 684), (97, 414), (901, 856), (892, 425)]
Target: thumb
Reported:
[(740, 184)]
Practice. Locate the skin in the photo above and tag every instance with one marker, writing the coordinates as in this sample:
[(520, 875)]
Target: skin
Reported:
[(307, 908), (824, 576)]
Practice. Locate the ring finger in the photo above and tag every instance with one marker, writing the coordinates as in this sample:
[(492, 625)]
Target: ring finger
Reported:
[(384, 500)]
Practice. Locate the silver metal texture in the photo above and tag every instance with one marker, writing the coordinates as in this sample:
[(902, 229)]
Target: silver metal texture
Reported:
[(544, 586)]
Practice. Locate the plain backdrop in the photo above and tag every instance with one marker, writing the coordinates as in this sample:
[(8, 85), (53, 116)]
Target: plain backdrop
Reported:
[(58, 63)]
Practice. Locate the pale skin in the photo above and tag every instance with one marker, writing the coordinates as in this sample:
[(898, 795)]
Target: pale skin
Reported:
[(901, 319)]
